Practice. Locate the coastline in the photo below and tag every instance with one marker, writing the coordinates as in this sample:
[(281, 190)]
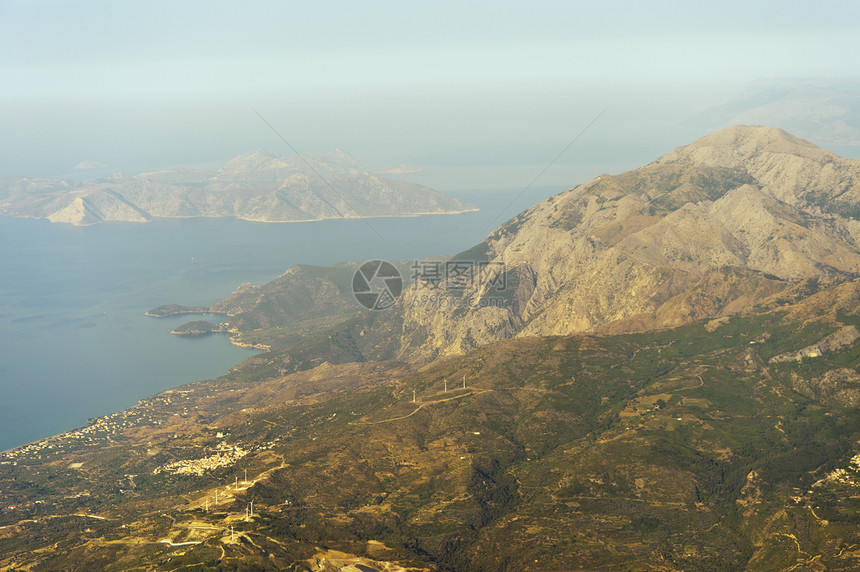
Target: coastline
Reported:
[(218, 262), (204, 311), (246, 218), (232, 336), (248, 346)]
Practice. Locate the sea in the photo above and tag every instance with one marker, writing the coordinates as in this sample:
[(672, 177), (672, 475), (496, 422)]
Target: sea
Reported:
[(74, 339)]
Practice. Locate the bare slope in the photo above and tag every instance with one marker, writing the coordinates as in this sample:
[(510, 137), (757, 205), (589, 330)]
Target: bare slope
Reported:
[(710, 229)]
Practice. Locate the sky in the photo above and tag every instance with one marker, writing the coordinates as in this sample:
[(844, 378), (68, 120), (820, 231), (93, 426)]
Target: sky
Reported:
[(471, 94)]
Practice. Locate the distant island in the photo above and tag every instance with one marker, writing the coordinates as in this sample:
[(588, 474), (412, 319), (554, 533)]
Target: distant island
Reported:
[(258, 186)]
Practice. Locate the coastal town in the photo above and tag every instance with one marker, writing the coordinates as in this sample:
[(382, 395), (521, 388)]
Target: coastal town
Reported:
[(100, 430), (158, 413)]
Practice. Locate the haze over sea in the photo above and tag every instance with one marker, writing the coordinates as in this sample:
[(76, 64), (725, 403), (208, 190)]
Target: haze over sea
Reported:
[(76, 343)]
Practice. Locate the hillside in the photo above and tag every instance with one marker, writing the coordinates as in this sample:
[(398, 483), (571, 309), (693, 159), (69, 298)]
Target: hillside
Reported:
[(302, 305), (259, 186), (736, 221), (708, 230), (685, 449)]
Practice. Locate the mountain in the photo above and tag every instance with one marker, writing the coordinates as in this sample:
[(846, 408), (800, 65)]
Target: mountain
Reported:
[(261, 186), (741, 219), (711, 229), (824, 110)]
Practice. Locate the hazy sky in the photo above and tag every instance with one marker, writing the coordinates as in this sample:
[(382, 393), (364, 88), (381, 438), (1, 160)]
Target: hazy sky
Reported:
[(475, 93)]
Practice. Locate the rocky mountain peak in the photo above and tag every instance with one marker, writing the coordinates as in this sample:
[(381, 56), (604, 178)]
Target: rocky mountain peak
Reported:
[(252, 161), (712, 228), (736, 146), (789, 169)]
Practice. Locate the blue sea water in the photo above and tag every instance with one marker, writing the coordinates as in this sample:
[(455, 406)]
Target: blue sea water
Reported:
[(74, 340)]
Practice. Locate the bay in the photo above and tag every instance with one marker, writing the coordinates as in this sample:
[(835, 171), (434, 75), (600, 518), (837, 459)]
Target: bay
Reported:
[(74, 340)]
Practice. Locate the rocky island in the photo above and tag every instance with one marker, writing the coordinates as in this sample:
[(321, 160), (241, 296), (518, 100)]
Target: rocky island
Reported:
[(258, 186)]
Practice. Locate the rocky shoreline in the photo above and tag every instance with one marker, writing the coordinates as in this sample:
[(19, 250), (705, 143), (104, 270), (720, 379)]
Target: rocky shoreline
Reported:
[(171, 310)]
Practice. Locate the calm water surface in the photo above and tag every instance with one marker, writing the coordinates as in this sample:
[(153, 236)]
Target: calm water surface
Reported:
[(74, 341)]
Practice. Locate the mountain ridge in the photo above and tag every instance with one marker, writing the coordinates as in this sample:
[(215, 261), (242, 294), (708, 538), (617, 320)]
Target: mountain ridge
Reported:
[(628, 248), (823, 110)]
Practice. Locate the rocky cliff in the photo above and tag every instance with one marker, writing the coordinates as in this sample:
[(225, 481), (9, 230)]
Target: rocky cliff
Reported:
[(708, 230)]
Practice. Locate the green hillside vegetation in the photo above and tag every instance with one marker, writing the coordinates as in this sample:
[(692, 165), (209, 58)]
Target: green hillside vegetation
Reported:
[(671, 450), (293, 312)]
